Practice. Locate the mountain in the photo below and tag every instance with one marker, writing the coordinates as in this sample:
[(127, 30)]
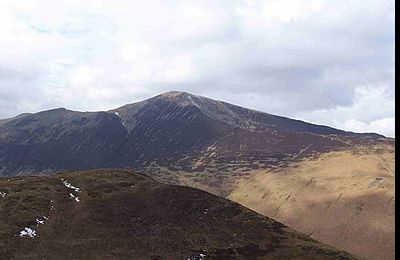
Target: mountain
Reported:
[(174, 129), (341, 183), (117, 214)]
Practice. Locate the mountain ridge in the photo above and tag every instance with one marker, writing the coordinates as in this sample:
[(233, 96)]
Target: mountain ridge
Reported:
[(179, 97), (161, 130)]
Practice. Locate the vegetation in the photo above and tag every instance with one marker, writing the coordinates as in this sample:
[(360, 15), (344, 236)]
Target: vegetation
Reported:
[(124, 215)]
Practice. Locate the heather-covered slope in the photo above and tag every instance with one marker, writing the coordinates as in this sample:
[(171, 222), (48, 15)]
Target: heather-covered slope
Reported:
[(116, 214)]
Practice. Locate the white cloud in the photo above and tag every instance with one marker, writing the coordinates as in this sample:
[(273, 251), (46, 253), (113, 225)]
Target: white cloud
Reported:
[(322, 61), (384, 126), (275, 13)]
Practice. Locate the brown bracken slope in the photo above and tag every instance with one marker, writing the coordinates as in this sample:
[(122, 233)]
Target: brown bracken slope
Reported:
[(343, 198)]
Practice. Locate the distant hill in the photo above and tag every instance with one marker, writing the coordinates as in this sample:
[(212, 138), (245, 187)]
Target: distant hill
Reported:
[(174, 129)]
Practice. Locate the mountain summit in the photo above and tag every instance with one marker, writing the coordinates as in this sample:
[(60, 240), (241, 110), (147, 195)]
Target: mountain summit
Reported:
[(173, 129)]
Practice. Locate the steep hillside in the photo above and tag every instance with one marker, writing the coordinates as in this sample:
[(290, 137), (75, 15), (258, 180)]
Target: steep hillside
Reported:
[(176, 130), (345, 198), (116, 214), (59, 139)]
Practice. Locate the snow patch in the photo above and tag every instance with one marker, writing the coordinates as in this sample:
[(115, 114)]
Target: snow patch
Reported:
[(117, 114), (28, 232), (199, 256), (70, 186), (74, 197), (2, 194), (193, 102)]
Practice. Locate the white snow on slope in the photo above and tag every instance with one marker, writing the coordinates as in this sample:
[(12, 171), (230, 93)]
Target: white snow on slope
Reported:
[(197, 257), (70, 186), (116, 113), (28, 232), (193, 102), (39, 221), (74, 197)]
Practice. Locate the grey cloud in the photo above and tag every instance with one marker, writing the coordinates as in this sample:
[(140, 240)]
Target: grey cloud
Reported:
[(294, 68)]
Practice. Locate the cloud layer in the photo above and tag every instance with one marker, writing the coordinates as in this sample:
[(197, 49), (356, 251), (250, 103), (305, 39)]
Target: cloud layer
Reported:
[(329, 62)]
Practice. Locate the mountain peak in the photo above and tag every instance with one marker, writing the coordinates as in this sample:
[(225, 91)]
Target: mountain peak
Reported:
[(175, 96), (183, 98), (174, 93)]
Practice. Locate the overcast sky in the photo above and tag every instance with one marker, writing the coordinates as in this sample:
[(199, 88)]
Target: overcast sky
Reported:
[(328, 62)]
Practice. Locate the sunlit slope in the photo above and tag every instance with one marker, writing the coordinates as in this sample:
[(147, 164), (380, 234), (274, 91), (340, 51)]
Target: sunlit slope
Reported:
[(343, 198)]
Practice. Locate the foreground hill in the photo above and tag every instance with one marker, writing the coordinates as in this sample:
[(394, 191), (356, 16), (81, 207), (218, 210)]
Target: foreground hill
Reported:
[(116, 214)]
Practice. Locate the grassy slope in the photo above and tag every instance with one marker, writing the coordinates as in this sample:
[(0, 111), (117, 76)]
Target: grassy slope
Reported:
[(345, 199), (122, 215)]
